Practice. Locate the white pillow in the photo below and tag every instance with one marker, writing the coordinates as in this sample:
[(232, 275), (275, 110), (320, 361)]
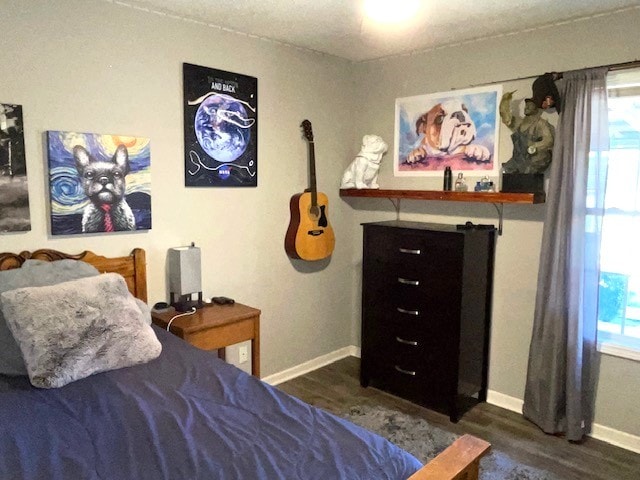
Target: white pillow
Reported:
[(74, 329)]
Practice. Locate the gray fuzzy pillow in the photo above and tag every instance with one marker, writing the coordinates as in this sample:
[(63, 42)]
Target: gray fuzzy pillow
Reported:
[(34, 273), (74, 329)]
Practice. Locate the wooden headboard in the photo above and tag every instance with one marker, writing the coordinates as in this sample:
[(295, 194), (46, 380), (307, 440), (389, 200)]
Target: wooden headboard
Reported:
[(132, 267)]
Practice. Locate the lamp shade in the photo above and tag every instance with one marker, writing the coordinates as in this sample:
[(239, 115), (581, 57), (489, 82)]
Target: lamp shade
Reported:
[(184, 270)]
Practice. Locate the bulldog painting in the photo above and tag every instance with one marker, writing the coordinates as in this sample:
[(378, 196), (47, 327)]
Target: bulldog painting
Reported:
[(458, 129), (447, 129)]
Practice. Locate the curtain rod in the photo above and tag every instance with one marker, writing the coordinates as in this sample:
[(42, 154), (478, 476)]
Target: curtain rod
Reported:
[(612, 67), (623, 66)]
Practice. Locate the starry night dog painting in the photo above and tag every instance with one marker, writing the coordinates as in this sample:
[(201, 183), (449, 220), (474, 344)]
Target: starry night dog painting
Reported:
[(98, 183)]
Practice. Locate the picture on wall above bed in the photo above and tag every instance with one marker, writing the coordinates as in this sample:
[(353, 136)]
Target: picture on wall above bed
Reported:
[(220, 128), (98, 183), (457, 129), (14, 194)]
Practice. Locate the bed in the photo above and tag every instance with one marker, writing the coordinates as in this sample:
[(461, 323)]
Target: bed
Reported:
[(188, 415)]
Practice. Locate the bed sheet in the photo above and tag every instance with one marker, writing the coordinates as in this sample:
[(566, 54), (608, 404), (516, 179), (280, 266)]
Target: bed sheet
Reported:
[(185, 415)]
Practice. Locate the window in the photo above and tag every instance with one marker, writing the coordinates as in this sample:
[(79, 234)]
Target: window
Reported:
[(619, 285)]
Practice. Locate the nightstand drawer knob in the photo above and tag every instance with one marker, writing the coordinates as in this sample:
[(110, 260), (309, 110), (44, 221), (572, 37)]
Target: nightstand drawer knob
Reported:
[(408, 312), (410, 251), (413, 343), (406, 281), (406, 372)]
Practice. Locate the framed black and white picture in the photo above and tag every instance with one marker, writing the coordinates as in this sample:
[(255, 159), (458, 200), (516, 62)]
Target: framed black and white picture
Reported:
[(14, 192), (220, 128)]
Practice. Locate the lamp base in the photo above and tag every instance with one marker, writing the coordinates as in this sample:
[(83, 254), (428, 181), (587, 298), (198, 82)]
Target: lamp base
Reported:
[(184, 303)]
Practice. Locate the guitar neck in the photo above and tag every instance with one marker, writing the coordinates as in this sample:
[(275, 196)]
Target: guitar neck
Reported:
[(312, 175)]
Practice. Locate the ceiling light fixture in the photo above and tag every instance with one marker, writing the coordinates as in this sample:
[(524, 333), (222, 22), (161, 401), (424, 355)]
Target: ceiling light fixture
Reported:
[(391, 11)]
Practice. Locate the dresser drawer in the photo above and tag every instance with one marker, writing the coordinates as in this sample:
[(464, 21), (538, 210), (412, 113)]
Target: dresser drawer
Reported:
[(414, 376), (426, 298), (421, 304), (406, 336), (418, 344), (406, 247), (438, 278), (385, 338), (432, 273)]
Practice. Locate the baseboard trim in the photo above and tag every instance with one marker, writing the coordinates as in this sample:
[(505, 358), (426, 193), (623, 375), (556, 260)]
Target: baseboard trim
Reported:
[(616, 437), (504, 401), (599, 432), (610, 435), (311, 365)]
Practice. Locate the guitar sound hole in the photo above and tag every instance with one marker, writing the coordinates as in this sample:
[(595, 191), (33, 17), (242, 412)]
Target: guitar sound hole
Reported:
[(317, 212)]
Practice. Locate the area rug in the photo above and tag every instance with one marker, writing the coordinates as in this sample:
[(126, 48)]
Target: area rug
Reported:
[(425, 441)]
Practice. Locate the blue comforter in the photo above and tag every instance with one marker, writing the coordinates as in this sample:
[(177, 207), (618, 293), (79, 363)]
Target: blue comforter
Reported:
[(184, 416)]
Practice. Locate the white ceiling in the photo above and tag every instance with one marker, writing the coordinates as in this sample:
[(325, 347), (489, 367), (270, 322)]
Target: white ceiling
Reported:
[(338, 27)]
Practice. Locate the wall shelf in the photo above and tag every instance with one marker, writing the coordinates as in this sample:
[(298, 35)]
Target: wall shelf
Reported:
[(484, 197), (498, 199)]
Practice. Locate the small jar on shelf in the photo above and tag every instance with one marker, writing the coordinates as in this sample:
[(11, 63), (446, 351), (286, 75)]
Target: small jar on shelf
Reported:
[(461, 185)]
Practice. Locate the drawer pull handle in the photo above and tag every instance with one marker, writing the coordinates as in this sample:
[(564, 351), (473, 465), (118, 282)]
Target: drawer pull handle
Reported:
[(406, 281), (408, 312), (410, 251), (406, 372), (413, 343)]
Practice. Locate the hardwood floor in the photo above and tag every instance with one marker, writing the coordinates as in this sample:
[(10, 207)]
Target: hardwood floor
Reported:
[(336, 388)]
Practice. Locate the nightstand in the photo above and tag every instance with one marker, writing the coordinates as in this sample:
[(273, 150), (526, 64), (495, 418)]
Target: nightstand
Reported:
[(216, 327)]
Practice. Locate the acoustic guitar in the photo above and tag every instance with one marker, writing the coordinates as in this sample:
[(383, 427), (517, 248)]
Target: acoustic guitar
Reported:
[(309, 236)]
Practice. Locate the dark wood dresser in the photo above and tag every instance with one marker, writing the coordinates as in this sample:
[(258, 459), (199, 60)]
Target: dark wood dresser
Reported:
[(426, 309)]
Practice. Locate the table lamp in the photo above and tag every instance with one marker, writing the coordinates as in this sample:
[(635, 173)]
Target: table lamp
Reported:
[(185, 278)]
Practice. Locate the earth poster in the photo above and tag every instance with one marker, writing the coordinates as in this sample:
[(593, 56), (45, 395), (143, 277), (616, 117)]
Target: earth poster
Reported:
[(220, 128)]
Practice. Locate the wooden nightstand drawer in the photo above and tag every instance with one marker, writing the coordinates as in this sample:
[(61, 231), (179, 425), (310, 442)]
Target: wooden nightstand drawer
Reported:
[(220, 337), (215, 327)]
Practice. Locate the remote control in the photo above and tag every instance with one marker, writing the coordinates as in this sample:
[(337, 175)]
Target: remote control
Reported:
[(223, 300)]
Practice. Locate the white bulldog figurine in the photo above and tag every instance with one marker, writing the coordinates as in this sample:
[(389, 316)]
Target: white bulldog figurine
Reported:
[(363, 171)]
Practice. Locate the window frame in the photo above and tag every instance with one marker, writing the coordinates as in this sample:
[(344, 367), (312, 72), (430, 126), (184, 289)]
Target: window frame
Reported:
[(616, 344)]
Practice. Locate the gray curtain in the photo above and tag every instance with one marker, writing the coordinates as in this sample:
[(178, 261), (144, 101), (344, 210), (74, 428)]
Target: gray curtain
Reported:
[(560, 387)]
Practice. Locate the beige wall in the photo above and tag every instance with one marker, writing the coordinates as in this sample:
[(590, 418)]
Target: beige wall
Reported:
[(101, 67), (95, 66), (599, 41)]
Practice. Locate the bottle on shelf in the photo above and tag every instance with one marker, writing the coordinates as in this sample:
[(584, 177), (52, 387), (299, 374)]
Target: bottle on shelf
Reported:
[(447, 179), (461, 185), (484, 185)]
